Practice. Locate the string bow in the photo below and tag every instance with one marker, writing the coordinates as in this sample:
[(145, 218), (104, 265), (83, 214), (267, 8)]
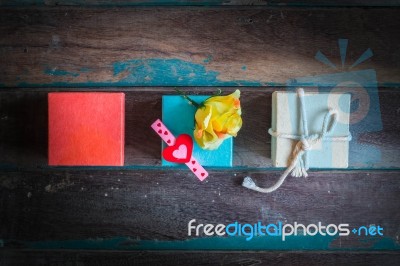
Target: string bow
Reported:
[(299, 160)]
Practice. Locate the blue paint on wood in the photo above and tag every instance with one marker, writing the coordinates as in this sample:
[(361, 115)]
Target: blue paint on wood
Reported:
[(386, 243), (175, 72), (84, 69), (208, 59), (147, 72), (317, 242), (240, 243), (59, 72), (178, 116), (170, 72)]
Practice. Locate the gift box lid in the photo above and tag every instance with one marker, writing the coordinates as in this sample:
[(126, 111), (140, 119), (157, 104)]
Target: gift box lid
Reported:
[(286, 119), (178, 116), (86, 128)]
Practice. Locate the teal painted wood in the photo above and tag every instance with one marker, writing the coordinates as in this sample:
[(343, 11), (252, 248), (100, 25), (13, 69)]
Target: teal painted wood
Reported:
[(318, 242), (195, 46), (177, 72), (128, 210), (178, 116), (171, 72)]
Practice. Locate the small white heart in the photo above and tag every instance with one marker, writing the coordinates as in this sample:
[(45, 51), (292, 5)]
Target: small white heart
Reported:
[(181, 152)]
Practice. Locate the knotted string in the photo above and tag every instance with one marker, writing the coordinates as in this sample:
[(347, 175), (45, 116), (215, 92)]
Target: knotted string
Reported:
[(299, 160)]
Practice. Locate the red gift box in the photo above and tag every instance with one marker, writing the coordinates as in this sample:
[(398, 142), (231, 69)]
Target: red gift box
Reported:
[(86, 128)]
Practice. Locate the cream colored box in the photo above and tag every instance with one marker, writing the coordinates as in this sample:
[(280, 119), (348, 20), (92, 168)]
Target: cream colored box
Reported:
[(286, 119)]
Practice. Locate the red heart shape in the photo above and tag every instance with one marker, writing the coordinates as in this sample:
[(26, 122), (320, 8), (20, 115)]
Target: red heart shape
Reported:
[(181, 151)]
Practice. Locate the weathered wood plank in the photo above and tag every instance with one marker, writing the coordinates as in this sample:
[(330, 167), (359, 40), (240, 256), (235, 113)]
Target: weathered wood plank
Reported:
[(141, 209), (69, 46), (333, 3), (123, 3), (62, 258), (23, 128)]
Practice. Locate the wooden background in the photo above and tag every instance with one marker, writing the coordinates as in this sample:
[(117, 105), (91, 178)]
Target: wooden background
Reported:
[(138, 214)]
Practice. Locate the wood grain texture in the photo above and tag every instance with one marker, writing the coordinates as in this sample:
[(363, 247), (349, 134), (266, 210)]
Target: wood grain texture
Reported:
[(44, 258), (333, 3), (23, 128), (84, 47), (49, 215), (125, 209), (122, 3)]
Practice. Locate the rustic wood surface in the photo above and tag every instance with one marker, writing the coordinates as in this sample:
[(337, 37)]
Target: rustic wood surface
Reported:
[(87, 216), (94, 208), (191, 46), (23, 128), (279, 3), (63, 258)]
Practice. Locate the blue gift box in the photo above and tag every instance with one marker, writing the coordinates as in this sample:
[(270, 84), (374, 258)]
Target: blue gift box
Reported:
[(178, 117), (286, 120)]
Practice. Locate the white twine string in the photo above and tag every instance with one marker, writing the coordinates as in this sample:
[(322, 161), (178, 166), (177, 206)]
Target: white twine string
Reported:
[(299, 161)]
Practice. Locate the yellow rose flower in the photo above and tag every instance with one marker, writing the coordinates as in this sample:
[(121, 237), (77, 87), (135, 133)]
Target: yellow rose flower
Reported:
[(217, 119)]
